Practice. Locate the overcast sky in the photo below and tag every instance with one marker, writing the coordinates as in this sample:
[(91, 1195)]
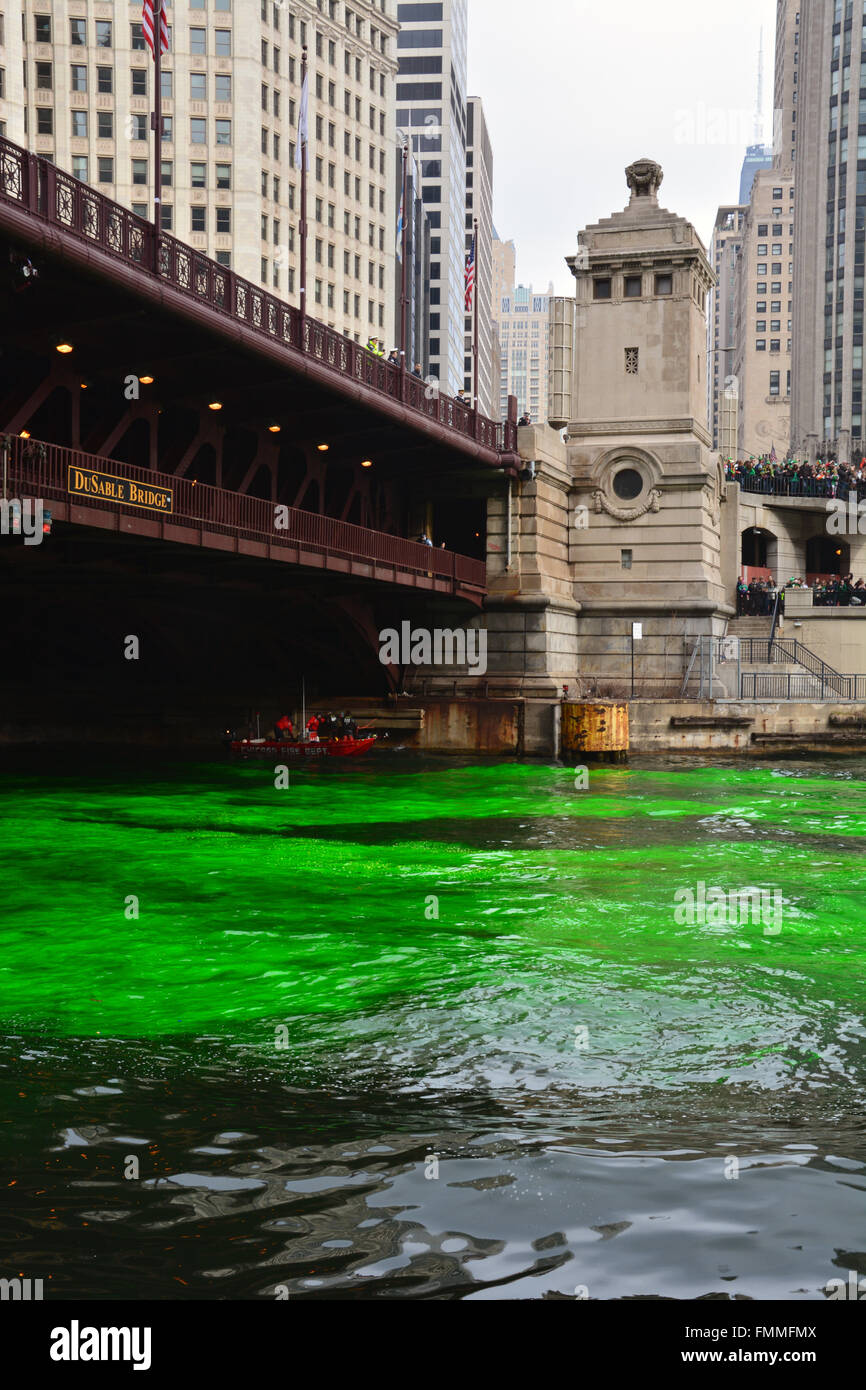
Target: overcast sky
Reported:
[(575, 90)]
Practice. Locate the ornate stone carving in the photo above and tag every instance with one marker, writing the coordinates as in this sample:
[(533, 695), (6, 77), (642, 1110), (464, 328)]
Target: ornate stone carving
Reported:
[(644, 178), (624, 514), (714, 505)]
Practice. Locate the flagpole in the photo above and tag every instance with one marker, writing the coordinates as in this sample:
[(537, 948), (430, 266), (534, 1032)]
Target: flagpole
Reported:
[(475, 321), (304, 140), (404, 205), (157, 127)]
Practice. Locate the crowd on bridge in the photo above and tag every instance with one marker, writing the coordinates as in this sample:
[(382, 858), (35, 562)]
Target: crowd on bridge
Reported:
[(793, 478)]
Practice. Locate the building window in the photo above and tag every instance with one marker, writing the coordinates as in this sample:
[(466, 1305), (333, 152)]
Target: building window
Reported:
[(625, 559), (137, 38), (198, 130), (138, 78), (198, 41), (105, 125), (223, 258), (79, 167), (166, 173), (601, 289), (664, 284), (105, 80), (632, 357), (166, 80), (103, 33), (633, 286), (760, 345), (78, 33), (79, 77), (105, 169), (223, 175), (223, 88), (223, 45), (42, 28), (198, 86), (775, 380), (44, 120), (166, 216), (628, 484), (224, 220), (139, 171), (198, 175), (79, 126), (44, 77)]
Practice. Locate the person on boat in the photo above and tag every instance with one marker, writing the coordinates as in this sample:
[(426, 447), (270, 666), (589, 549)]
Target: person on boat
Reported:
[(284, 728), (350, 728), (313, 727)]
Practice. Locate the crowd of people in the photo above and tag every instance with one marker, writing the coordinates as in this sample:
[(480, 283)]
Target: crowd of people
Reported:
[(757, 599), (377, 348), (792, 478), (319, 728)]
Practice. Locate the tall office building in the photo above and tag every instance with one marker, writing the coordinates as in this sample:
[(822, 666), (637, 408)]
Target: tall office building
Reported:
[(76, 84), (763, 314), (830, 229), (523, 325), (417, 282), (504, 271), (786, 87), (722, 392), (757, 157), (431, 106), (479, 205)]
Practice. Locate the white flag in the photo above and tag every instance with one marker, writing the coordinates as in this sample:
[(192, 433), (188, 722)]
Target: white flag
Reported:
[(301, 151)]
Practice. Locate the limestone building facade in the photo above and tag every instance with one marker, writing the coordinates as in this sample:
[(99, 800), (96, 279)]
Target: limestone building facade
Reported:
[(230, 86)]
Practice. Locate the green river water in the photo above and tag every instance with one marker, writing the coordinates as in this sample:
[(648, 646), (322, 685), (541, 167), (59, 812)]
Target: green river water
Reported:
[(418, 1028)]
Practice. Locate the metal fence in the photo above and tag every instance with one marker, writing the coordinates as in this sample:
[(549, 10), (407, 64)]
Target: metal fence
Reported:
[(759, 685)]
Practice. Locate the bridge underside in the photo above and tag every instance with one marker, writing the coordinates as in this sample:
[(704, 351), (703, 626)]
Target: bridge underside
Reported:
[(265, 440)]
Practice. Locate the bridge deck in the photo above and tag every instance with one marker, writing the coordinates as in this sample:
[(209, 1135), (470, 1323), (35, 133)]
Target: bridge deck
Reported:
[(230, 521), (44, 207)]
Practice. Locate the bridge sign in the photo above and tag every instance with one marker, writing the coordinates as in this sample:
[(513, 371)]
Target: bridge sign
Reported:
[(107, 487)]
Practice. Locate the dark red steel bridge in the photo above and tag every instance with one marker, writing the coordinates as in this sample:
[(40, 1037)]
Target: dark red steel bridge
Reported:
[(130, 354)]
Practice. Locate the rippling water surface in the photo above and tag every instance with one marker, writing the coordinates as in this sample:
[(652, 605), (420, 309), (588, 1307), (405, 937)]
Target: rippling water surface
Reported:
[(426, 1029)]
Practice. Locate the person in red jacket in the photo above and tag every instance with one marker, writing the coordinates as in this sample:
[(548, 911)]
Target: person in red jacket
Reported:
[(284, 728), (313, 728)]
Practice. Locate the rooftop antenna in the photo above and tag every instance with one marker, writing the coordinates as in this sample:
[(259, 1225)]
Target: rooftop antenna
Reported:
[(759, 109)]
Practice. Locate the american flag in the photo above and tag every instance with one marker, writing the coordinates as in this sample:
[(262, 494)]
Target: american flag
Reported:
[(470, 275), (147, 26)]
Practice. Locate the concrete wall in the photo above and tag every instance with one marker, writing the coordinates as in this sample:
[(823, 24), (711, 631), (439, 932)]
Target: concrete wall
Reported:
[(651, 730)]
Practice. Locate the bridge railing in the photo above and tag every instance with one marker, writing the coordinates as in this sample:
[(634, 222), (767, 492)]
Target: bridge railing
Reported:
[(55, 197), (40, 469)]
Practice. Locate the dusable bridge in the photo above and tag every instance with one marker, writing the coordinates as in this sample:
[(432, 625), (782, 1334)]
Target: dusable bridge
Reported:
[(239, 403)]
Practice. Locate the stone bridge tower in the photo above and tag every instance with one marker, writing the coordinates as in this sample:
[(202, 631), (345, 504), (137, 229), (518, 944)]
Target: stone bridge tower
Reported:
[(649, 495), (620, 513)]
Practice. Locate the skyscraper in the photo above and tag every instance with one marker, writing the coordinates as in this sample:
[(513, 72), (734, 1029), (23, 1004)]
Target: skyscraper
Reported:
[(722, 392), (431, 107), (479, 205), (230, 88), (829, 229), (523, 324)]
